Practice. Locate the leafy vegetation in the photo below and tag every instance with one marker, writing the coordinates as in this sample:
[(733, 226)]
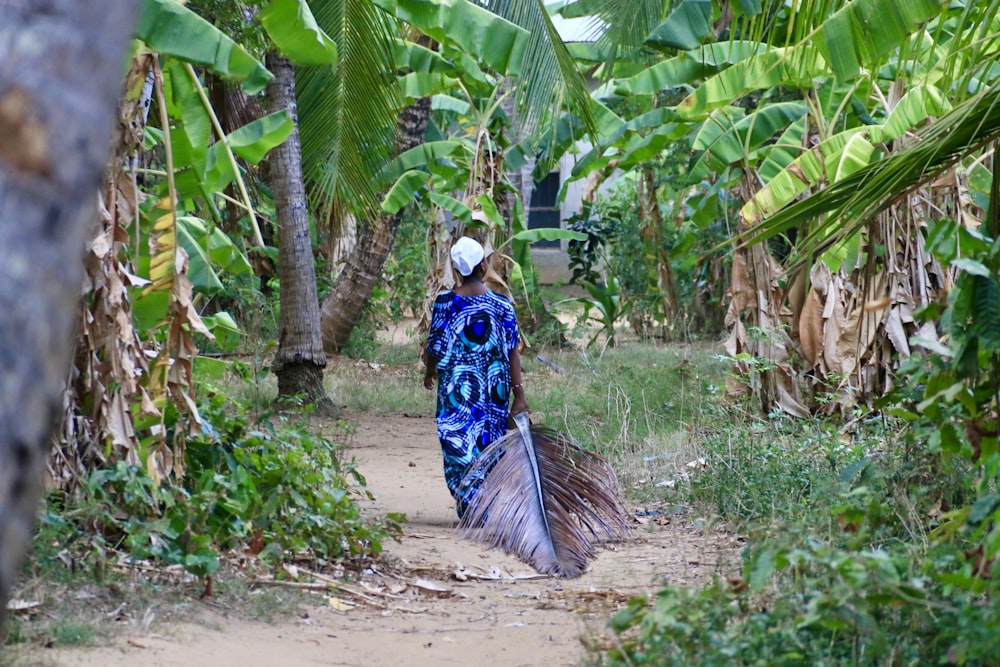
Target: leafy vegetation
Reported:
[(875, 543), (268, 489)]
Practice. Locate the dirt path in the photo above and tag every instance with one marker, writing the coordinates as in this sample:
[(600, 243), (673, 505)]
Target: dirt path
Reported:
[(422, 612)]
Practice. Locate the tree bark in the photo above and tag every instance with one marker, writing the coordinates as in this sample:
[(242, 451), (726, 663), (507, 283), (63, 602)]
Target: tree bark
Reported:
[(342, 307), (60, 68), (300, 360), (759, 340), (652, 231)]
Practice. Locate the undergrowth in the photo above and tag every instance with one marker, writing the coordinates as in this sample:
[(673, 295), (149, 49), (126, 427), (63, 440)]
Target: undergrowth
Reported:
[(873, 541), (847, 560), (257, 493)]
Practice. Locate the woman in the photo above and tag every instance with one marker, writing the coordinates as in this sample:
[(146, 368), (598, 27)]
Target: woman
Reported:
[(472, 351)]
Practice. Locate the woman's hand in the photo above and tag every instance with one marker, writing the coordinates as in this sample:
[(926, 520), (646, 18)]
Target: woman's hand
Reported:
[(520, 403)]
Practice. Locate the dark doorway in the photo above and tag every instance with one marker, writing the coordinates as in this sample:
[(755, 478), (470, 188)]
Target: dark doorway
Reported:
[(543, 212)]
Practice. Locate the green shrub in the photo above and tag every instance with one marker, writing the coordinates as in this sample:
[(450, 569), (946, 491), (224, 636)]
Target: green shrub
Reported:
[(829, 607), (282, 493)]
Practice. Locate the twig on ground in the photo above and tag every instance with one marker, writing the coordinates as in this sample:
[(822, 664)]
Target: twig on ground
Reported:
[(551, 364)]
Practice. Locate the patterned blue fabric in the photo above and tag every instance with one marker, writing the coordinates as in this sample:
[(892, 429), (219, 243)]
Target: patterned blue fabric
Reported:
[(470, 342)]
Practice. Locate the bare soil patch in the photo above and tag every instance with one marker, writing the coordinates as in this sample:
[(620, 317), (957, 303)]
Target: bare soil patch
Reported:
[(438, 600)]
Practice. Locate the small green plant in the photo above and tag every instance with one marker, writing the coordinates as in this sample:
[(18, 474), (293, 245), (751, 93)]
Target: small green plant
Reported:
[(586, 256), (605, 306)]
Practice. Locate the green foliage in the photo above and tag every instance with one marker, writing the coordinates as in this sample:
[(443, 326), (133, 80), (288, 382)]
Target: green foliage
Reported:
[(279, 491), (833, 607), (619, 247), (605, 306), (172, 29), (585, 256), (400, 291), (752, 481), (859, 554)]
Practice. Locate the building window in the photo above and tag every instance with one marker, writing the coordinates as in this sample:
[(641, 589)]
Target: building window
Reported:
[(543, 211)]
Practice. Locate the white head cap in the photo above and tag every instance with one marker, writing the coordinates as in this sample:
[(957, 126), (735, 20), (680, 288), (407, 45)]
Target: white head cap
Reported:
[(466, 255)]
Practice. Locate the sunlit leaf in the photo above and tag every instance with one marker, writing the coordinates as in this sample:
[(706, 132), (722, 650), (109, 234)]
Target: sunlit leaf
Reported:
[(830, 161), (292, 27), (170, 28), (863, 32), (497, 42), (775, 67), (688, 22)]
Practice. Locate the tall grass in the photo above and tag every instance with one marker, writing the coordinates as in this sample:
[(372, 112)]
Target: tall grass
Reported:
[(640, 405)]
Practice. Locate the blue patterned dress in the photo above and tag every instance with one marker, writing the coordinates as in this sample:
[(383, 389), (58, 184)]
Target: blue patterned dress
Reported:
[(470, 342)]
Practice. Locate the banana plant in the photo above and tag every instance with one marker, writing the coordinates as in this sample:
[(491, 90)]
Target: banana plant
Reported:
[(865, 92), (137, 346), (470, 88)]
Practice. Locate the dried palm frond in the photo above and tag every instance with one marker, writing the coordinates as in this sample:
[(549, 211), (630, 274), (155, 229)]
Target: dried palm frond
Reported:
[(543, 498)]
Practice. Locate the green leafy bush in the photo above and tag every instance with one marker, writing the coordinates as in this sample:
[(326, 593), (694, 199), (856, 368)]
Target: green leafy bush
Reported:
[(830, 606), (861, 551), (281, 493)]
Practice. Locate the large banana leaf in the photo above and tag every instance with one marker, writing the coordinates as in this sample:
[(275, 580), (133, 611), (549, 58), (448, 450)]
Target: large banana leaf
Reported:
[(864, 32), (655, 122), (548, 234), (794, 66), (689, 67), (453, 206), (783, 151), (208, 169), (724, 140), (449, 103), (921, 102), (404, 190), (497, 42), (293, 29), (687, 24), (423, 155), (412, 57), (856, 199), (832, 160), (168, 27), (641, 149), (191, 131), (417, 85), (251, 142), (844, 153), (209, 247)]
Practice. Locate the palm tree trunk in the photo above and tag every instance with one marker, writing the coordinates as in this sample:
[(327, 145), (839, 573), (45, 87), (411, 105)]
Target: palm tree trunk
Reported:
[(342, 307), (60, 63), (300, 359)]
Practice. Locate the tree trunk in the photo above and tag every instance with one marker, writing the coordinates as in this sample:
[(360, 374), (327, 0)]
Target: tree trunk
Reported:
[(652, 232), (758, 341), (60, 63), (342, 307), (300, 359)]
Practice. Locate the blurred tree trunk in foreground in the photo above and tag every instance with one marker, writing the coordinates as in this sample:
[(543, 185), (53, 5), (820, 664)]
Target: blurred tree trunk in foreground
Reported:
[(60, 72)]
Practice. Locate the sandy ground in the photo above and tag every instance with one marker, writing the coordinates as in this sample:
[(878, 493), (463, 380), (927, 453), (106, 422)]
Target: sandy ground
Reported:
[(442, 601)]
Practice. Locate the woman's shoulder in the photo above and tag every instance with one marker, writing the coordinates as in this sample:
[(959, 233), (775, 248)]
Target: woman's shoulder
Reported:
[(499, 296), (444, 297)]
